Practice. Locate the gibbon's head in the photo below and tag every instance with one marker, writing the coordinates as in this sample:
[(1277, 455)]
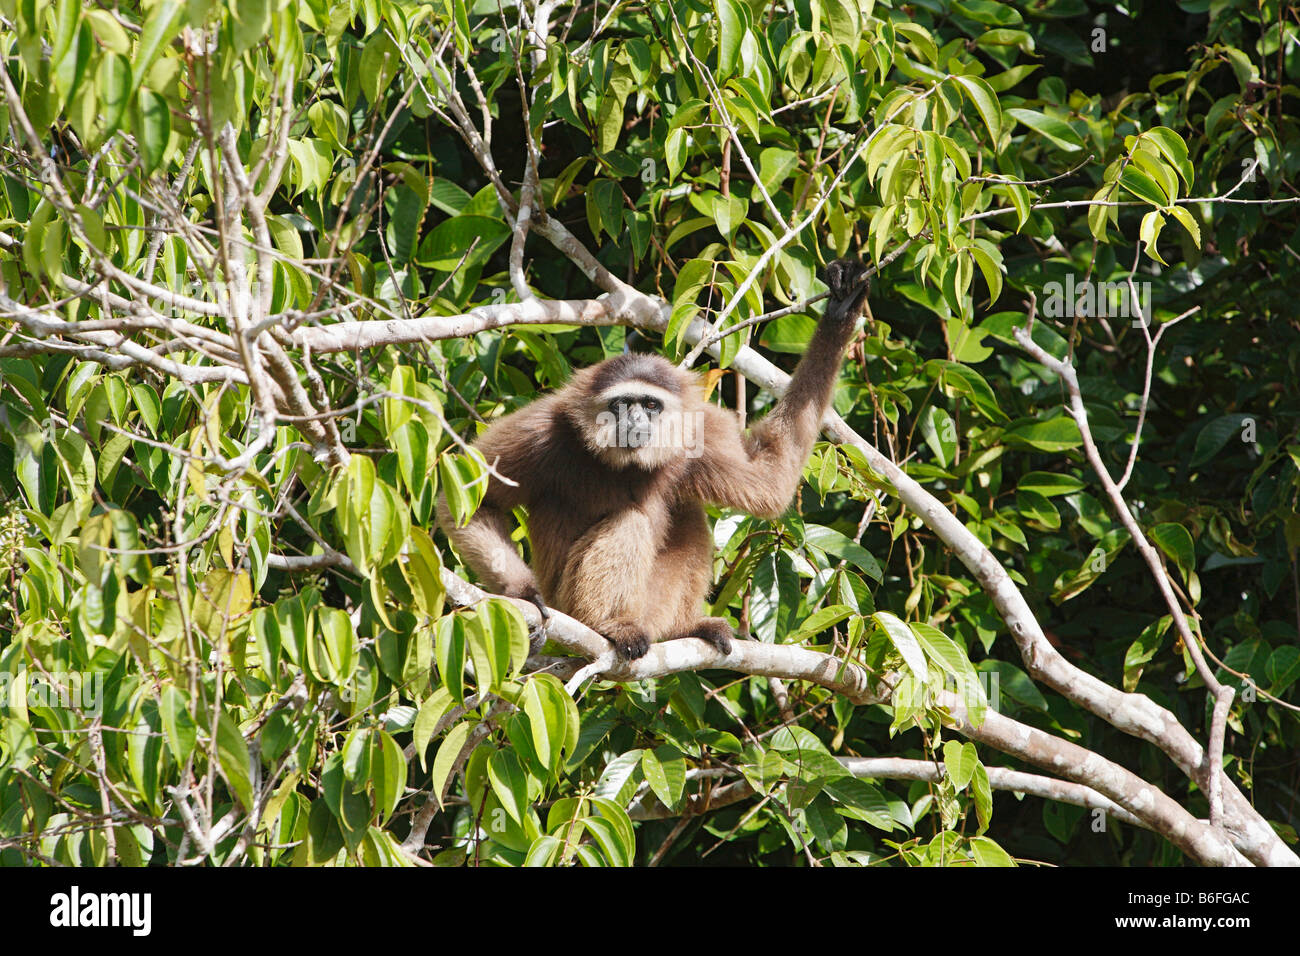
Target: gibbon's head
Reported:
[(637, 410)]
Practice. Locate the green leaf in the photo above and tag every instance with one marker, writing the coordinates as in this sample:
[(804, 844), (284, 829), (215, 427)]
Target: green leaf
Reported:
[(232, 755), (405, 209), (1188, 221), (1149, 232), (509, 631), (605, 208), (380, 61), (423, 571), (1142, 650), (178, 725), (339, 641), (860, 800), (940, 433), (1037, 507), (960, 759), (957, 379), (1215, 434), (732, 27), (472, 239), (437, 706), (1175, 150), (983, 796), (986, 103), (114, 87), (988, 853), (1054, 435), (1052, 129), (843, 20), (988, 12), (1048, 484), (612, 830), (843, 547), (1098, 215), (1176, 542), (901, 636), (618, 780), (450, 649), (164, 21), (461, 478), (388, 773), (819, 621), (547, 706), (509, 782), (543, 851), (1005, 81), (445, 760), (1283, 668), (1143, 187), (665, 772), (1148, 159)]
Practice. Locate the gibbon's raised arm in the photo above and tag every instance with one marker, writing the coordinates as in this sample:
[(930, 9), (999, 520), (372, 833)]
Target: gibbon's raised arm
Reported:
[(759, 472), (484, 543)]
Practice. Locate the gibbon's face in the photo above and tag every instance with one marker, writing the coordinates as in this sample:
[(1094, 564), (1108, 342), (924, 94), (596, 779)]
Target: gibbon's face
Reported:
[(636, 424), (638, 410)]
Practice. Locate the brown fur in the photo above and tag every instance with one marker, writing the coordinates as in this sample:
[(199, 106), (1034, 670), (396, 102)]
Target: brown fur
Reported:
[(625, 547)]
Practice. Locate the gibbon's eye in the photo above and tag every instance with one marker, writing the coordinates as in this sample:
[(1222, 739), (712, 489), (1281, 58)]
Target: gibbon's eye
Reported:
[(652, 405)]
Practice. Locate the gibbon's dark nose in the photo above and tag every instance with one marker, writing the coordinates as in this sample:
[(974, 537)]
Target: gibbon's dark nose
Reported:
[(636, 426)]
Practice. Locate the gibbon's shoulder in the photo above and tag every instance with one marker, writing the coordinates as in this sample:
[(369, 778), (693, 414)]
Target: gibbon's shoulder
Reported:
[(522, 438)]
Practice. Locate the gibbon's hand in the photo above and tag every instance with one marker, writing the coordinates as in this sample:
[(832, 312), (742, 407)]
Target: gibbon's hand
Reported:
[(849, 285), (528, 592)]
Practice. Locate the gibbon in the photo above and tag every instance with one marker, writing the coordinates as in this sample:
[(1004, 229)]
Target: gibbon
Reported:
[(615, 469)]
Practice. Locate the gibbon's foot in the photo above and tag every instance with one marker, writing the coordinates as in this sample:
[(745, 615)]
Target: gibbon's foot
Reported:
[(713, 631), (630, 642), (849, 285)]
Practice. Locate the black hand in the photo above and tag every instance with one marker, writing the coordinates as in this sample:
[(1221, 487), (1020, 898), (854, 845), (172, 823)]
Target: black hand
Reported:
[(545, 611), (849, 284)]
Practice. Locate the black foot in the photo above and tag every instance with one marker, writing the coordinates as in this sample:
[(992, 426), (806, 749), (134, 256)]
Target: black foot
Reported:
[(713, 631), (630, 642)]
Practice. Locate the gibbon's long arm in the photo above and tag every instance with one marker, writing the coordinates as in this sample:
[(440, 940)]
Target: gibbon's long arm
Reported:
[(759, 472), (484, 543)]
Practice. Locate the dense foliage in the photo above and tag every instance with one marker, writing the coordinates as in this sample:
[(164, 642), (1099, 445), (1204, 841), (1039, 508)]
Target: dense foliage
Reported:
[(223, 639)]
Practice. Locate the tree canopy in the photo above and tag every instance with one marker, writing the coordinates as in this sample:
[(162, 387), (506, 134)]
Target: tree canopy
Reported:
[(268, 268)]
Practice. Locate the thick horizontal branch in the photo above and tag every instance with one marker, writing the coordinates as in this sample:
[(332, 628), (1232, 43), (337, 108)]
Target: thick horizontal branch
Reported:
[(897, 768), (349, 336), (1000, 778), (687, 654)]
